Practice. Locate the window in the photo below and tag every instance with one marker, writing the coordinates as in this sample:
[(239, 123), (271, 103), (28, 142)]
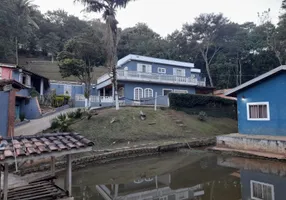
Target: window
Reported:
[(0, 72), (162, 70), (144, 68), (148, 92), (163, 198), (181, 91), (138, 93), (261, 191), (179, 72), (258, 111), (166, 92)]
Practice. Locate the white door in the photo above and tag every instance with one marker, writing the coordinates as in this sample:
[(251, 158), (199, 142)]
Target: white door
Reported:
[(68, 90), (138, 93)]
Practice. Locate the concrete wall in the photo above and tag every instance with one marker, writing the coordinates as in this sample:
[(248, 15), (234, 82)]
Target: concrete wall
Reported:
[(129, 88), (273, 91), (32, 109), (76, 89), (132, 66), (23, 93), (4, 105), (278, 182)]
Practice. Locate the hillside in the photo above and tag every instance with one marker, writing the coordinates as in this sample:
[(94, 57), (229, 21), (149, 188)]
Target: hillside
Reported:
[(51, 69), (162, 126)]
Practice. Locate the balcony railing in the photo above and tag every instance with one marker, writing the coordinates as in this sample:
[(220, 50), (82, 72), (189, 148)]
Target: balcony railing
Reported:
[(161, 78)]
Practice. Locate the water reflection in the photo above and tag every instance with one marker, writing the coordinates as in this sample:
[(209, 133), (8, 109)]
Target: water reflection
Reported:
[(192, 176)]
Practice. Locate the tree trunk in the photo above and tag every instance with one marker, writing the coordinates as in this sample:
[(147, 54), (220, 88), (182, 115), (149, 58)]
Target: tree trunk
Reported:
[(209, 73)]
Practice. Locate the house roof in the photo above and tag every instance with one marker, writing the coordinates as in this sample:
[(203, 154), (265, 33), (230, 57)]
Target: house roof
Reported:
[(153, 60), (7, 65), (15, 84), (40, 146), (234, 91)]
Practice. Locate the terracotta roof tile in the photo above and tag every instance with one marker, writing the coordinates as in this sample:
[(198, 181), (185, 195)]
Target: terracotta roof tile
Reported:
[(43, 144)]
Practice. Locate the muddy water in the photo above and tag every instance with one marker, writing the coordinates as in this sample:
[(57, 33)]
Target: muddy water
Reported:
[(179, 176)]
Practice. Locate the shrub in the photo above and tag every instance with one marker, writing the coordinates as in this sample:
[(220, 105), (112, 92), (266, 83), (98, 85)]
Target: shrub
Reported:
[(34, 93), (78, 113), (71, 115), (22, 117), (60, 100), (202, 116), (62, 123), (55, 124)]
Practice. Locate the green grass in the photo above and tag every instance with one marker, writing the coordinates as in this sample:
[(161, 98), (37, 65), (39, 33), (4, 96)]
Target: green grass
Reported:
[(157, 128)]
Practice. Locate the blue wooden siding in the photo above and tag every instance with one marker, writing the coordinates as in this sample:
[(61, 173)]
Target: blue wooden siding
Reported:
[(278, 182), (129, 88), (76, 89), (4, 102), (272, 90), (23, 93), (132, 66), (15, 75), (31, 109)]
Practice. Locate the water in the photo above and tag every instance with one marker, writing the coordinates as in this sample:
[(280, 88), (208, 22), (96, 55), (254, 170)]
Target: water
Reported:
[(179, 176)]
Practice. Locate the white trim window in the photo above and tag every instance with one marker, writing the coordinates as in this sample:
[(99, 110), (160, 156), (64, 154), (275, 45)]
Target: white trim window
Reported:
[(144, 68), (181, 91), (138, 93), (261, 191), (148, 92), (258, 111), (179, 72), (166, 92), (161, 70), (1, 73)]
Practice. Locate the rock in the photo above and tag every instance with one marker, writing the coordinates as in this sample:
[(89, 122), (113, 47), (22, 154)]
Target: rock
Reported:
[(152, 123)]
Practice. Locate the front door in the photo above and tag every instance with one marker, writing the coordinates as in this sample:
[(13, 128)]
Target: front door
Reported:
[(17, 112)]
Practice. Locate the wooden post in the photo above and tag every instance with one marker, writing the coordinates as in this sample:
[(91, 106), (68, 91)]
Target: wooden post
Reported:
[(155, 106), (53, 166), (0, 181), (68, 182), (5, 186), (116, 191)]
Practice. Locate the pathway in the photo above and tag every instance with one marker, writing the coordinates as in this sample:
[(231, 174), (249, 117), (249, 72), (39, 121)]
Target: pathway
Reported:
[(38, 125)]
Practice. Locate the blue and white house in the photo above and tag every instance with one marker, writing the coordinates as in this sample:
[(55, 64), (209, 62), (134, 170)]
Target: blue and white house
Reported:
[(141, 77), (261, 112)]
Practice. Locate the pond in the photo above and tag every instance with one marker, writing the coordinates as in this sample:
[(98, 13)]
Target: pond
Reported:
[(178, 176)]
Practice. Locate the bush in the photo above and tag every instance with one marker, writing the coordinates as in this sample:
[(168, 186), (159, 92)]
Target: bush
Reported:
[(60, 100), (71, 115), (202, 116), (62, 123), (78, 113), (22, 117), (55, 124), (34, 93)]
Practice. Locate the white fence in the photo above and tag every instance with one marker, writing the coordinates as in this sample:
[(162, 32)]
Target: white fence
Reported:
[(95, 99)]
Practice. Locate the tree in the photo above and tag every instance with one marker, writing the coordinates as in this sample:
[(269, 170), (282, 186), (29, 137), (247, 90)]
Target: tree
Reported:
[(109, 9), (81, 54), (205, 32)]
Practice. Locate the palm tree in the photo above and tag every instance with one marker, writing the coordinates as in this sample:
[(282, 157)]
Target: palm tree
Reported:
[(23, 15), (109, 9)]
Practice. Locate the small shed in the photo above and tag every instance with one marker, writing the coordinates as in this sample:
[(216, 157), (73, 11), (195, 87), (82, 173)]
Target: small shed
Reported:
[(261, 104), (35, 147)]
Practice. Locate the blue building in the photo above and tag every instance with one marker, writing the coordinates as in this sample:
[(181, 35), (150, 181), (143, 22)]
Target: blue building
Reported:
[(141, 77), (261, 104)]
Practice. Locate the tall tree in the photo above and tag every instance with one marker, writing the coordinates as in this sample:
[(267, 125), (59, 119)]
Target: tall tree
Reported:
[(205, 32), (109, 9), (81, 54)]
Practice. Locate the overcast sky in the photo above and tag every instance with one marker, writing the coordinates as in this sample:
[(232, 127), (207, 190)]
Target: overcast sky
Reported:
[(165, 16)]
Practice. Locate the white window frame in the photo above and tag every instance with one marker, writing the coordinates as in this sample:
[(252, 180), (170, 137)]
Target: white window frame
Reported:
[(166, 89), (181, 91), (162, 70), (175, 73), (256, 104), (164, 198), (140, 68), (266, 184), (146, 93), (141, 89)]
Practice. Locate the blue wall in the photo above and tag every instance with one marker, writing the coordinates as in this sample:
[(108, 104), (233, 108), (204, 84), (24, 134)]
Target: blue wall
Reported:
[(132, 66), (272, 91), (129, 88), (23, 93), (4, 102), (278, 182), (30, 108), (76, 89), (15, 75)]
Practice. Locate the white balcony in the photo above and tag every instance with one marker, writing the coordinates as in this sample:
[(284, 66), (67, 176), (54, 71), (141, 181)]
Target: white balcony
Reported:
[(153, 77)]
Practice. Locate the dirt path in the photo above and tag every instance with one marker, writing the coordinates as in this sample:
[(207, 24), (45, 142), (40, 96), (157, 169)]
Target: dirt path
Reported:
[(38, 125)]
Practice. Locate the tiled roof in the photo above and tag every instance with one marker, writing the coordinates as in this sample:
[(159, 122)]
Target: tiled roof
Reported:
[(45, 144)]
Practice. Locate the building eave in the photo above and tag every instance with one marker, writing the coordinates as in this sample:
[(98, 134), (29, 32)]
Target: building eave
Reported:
[(233, 92)]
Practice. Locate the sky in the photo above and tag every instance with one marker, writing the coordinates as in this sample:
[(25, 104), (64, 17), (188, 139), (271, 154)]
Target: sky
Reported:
[(165, 16)]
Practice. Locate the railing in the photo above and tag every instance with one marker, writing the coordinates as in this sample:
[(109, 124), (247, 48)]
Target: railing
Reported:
[(153, 77), (94, 99)]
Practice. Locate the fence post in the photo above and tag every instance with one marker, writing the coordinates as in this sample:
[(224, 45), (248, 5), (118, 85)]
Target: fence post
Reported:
[(155, 106)]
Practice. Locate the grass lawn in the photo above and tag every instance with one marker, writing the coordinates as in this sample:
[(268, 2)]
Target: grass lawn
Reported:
[(158, 127)]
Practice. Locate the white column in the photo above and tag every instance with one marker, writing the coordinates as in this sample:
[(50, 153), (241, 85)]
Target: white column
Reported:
[(42, 87), (68, 180), (113, 91), (155, 106), (104, 92)]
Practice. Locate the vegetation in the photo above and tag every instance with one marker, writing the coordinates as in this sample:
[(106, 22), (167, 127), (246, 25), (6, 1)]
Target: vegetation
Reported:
[(110, 128), (228, 53), (22, 116)]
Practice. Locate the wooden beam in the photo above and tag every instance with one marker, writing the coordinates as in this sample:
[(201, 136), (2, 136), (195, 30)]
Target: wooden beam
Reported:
[(5, 186), (53, 165), (68, 182)]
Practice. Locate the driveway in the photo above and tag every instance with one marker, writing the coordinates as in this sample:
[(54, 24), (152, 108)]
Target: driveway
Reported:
[(38, 125)]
